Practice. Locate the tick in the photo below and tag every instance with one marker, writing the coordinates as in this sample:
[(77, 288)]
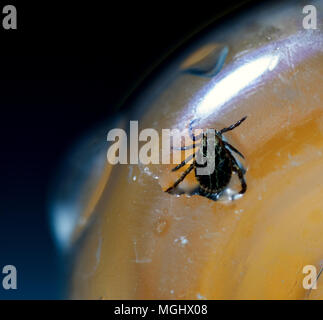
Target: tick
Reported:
[(212, 185)]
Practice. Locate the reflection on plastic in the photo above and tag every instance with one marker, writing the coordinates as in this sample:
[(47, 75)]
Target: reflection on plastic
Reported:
[(234, 82)]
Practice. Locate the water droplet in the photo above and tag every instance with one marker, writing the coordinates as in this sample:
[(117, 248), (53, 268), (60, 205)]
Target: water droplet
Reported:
[(161, 226), (146, 170), (200, 297), (182, 239)]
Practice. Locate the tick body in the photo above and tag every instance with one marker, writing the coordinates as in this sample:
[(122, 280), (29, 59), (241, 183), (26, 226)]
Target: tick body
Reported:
[(224, 164)]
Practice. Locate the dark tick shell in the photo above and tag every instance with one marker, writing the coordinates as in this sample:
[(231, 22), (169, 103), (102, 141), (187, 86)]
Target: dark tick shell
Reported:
[(216, 182)]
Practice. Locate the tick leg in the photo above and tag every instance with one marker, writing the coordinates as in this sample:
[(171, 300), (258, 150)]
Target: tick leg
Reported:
[(239, 171), (194, 137), (211, 196), (233, 149), (183, 163), (186, 172), (233, 126), (186, 147)]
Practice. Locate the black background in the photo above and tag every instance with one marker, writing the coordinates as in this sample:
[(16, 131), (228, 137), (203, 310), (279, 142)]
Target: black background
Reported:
[(64, 69)]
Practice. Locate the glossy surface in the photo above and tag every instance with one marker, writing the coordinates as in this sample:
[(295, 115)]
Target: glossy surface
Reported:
[(138, 242)]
